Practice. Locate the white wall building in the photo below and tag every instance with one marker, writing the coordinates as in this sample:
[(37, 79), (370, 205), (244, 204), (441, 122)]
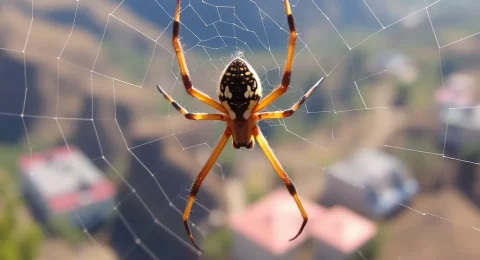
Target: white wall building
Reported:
[(62, 183), (370, 182)]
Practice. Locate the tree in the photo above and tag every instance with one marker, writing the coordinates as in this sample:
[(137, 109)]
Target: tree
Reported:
[(18, 240)]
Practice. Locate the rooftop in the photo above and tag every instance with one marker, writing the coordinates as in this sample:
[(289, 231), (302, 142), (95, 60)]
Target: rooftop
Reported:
[(65, 177), (459, 91), (343, 229), (274, 220)]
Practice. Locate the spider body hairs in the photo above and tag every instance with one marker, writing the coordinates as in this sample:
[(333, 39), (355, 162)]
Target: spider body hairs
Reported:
[(240, 95), (239, 91)]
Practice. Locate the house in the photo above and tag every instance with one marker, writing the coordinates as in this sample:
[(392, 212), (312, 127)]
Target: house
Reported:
[(459, 91), (340, 234), (263, 230), (402, 70), (370, 182), (397, 64), (457, 103), (64, 184)]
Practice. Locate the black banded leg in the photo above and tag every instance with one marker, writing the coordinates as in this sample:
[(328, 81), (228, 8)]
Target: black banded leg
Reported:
[(187, 82), (191, 116), (262, 142), (287, 71), (201, 176), (289, 112)]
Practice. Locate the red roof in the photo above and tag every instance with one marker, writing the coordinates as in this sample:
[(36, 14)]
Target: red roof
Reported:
[(66, 202), (28, 159), (343, 229), (459, 91), (274, 220)]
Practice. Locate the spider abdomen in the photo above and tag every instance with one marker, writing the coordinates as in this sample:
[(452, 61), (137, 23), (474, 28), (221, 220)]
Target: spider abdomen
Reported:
[(239, 89)]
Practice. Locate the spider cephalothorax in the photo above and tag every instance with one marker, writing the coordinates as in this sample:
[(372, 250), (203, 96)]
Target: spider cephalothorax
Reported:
[(240, 95)]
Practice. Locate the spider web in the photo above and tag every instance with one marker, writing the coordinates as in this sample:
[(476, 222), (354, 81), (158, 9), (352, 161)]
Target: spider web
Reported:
[(83, 73)]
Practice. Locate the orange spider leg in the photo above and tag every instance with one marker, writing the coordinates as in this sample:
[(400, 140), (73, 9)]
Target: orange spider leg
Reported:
[(287, 73), (288, 112), (262, 142), (201, 176), (191, 116), (191, 90)]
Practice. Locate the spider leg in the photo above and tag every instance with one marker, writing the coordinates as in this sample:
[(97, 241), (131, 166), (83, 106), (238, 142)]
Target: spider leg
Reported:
[(192, 91), (201, 176), (287, 71), (191, 116), (289, 112), (262, 142)]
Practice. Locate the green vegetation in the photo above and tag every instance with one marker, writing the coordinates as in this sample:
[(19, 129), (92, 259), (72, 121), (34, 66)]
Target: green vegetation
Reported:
[(425, 168), (133, 64), (9, 160), (121, 167), (218, 244), (18, 240), (371, 249), (63, 228), (254, 194)]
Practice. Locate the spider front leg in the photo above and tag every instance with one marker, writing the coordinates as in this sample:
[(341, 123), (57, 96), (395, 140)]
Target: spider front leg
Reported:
[(201, 176), (287, 71), (191, 116), (289, 112), (187, 82), (262, 142)]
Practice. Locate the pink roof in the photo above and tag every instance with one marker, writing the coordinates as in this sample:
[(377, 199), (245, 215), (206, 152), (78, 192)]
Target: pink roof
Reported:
[(459, 90), (343, 229), (28, 159), (453, 96), (274, 220), (66, 202)]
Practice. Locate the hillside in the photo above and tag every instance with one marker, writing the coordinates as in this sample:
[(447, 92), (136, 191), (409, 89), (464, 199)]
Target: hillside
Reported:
[(66, 89)]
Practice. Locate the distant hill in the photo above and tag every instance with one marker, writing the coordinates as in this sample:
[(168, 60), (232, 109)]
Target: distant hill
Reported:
[(66, 89)]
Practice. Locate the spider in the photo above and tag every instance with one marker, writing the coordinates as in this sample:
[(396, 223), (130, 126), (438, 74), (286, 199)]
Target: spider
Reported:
[(240, 94)]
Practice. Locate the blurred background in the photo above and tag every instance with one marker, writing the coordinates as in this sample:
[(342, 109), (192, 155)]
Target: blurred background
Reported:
[(95, 163)]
